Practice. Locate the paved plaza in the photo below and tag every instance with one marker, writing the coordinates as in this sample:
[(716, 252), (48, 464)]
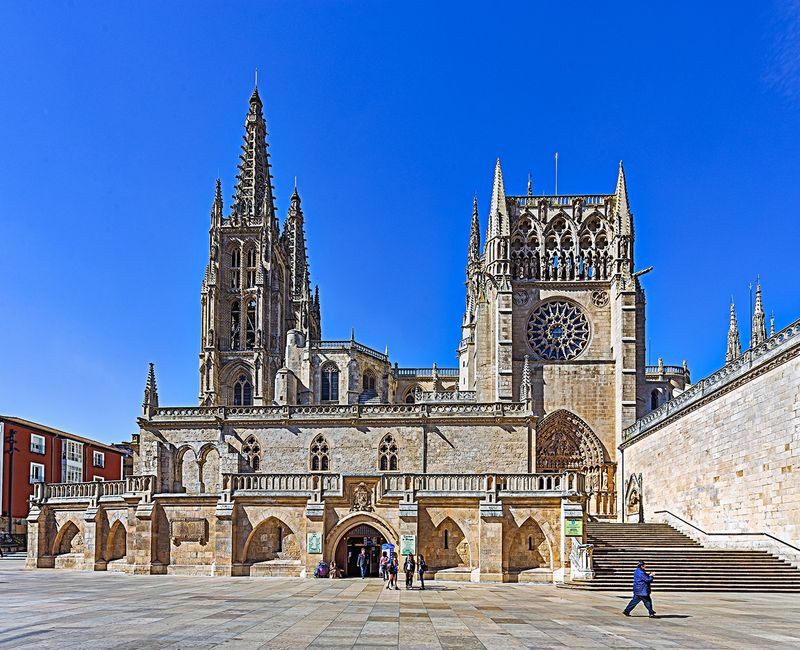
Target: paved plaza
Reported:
[(65, 609)]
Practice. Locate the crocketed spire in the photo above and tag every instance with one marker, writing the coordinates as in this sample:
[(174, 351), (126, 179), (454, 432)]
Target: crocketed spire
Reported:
[(498, 212), (525, 383), (734, 347), (150, 402), (253, 198), (758, 331)]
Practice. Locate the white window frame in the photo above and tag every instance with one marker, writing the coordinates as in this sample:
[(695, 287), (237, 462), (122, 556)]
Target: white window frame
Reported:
[(39, 475), (98, 478), (98, 454), (72, 464), (38, 448)]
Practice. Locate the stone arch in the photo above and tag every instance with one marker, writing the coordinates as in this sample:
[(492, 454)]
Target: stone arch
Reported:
[(564, 441), (527, 546), (117, 542), (229, 375), (187, 471), (354, 519), (410, 396), (68, 539), (208, 469), (634, 505), (271, 539), (448, 547)]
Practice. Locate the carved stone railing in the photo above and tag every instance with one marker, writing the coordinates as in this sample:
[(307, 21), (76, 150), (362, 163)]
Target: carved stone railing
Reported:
[(346, 346), (411, 373), (434, 396), (556, 200), (451, 407), (92, 490), (480, 484), (665, 370), (296, 484), (580, 561), (780, 343)]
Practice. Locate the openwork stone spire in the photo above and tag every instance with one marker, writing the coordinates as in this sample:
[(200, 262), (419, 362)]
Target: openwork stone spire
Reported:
[(758, 331), (474, 233), (253, 200), (294, 241), (498, 212), (525, 384), (150, 402), (734, 347)]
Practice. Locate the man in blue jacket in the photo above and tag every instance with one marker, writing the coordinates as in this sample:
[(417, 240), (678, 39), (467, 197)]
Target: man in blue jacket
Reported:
[(641, 589)]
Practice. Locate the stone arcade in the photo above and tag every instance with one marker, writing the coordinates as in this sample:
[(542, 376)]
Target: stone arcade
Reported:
[(303, 449)]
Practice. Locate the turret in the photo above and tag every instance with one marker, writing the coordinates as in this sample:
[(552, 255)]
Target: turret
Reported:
[(758, 330), (150, 403), (734, 347)]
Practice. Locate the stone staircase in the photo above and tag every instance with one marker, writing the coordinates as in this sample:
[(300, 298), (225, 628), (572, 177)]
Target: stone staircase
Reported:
[(680, 563), (369, 397)]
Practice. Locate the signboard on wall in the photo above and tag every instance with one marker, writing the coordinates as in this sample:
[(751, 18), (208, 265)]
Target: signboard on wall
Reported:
[(573, 527), (314, 542), (408, 544)]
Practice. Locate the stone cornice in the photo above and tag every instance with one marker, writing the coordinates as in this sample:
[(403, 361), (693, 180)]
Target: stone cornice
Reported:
[(775, 351)]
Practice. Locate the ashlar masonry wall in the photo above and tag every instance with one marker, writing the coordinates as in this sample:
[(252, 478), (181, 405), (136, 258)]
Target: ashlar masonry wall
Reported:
[(729, 461)]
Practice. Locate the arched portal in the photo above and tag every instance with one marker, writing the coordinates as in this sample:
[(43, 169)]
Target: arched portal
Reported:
[(117, 543), (565, 442), (354, 532)]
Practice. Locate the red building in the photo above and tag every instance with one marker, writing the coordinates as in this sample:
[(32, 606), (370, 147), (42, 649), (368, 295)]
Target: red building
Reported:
[(42, 453)]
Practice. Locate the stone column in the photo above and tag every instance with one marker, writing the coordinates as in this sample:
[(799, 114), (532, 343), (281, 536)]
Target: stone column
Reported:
[(41, 531), (223, 536), (93, 539), (314, 531), (145, 540), (490, 528)]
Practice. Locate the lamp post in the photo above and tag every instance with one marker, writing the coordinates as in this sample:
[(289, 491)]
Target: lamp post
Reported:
[(11, 449)]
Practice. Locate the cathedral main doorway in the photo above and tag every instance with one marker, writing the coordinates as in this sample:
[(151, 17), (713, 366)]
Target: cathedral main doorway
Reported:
[(349, 548)]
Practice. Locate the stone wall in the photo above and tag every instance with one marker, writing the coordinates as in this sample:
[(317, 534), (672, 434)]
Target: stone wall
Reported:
[(727, 458)]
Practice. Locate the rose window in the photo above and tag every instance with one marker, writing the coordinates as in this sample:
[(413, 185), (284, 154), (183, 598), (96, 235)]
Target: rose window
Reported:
[(558, 331)]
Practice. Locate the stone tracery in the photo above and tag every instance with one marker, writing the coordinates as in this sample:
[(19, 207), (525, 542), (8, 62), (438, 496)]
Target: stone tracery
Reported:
[(558, 330)]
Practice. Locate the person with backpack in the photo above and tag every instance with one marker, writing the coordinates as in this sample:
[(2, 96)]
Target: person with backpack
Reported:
[(408, 567), (422, 567)]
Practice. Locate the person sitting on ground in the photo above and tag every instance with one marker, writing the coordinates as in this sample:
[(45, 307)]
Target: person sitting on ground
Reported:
[(333, 571), (642, 580)]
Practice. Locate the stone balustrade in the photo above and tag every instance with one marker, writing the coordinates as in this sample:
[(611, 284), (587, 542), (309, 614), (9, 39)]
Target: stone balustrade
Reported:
[(452, 408), (131, 485), (286, 484), (480, 484), (748, 364)]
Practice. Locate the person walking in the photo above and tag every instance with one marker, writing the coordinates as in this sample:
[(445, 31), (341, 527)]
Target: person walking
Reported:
[(422, 567), (642, 580), (408, 566), (363, 562)]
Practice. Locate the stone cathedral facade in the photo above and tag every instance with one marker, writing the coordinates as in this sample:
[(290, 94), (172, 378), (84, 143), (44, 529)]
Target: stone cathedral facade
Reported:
[(303, 449)]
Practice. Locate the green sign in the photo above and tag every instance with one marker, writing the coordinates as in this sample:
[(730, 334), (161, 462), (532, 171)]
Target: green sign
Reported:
[(573, 527), (408, 544), (314, 542)]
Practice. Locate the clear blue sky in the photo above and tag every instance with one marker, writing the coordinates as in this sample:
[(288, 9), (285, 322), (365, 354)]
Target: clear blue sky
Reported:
[(116, 118)]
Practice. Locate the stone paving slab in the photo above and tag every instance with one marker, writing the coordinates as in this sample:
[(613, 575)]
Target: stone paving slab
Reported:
[(66, 609)]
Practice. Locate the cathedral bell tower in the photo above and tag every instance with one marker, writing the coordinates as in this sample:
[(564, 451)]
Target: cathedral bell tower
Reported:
[(250, 295)]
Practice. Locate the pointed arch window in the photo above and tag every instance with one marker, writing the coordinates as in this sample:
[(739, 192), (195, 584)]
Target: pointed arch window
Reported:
[(235, 270), (236, 325), (368, 382), (250, 336), (242, 392), (387, 454), (251, 267), (251, 450), (319, 454), (330, 383), (654, 400)]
